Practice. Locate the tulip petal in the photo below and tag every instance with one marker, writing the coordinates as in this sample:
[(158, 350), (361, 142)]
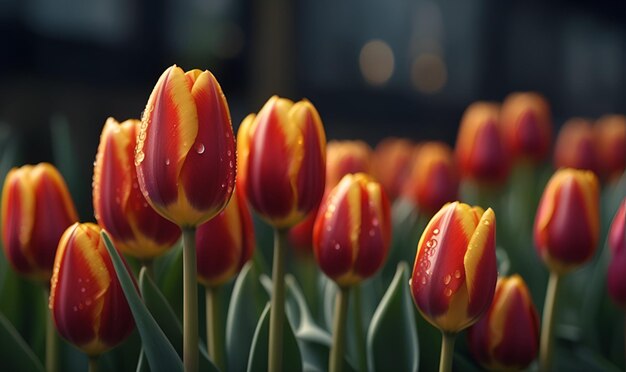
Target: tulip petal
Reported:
[(373, 241), (480, 264), (18, 207)]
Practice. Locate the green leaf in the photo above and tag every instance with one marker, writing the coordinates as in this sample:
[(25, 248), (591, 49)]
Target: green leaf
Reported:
[(246, 305), (393, 329), (168, 272), (159, 351), (292, 360), (15, 354)]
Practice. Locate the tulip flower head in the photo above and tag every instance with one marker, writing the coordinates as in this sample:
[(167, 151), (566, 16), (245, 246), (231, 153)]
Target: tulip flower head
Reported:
[(352, 230), (36, 210), (225, 243), (567, 222), (610, 136), (283, 161), (88, 305), (119, 205), (391, 164), (455, 272), (185, 154), (345, 157), (507, 337), (616, 276), (575, 147)]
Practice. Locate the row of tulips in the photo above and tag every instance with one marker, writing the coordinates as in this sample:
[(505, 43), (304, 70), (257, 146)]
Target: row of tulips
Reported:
[(172, 174)]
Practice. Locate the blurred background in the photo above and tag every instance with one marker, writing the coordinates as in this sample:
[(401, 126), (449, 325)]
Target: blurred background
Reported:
[(372, 68)]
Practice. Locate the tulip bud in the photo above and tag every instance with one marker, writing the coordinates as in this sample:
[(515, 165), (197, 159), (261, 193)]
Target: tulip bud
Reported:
[(527, 126), (574, 146), (567, 222), (433, 180), (283, 154), (185, 154), (36, 209), (455, 272), (392, 163), (345, 157), (507, 337), (87, 303), (480, 150), (225, 243), (119, 205), (352, 230), (616, 278), (610, 136)]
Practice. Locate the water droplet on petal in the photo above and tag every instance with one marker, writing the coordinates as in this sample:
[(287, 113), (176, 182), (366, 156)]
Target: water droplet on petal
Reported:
[(139, 157), (447, 279), (424, 280), (486, 222), (83, 289), (436, 231), (200, 148), (457, 274), (167, 161), (447, 292), (337, 246)]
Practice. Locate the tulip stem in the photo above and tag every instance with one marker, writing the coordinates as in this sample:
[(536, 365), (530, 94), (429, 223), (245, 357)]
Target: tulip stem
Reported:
[(547, 324), (339, 330), (93, 364), (215, 341), (52, 344), (447, 351), (277, 307), (190, 301), (358, 327)]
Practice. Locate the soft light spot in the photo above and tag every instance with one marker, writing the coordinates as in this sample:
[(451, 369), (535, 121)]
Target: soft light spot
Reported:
[(429, 73), (376, 61)]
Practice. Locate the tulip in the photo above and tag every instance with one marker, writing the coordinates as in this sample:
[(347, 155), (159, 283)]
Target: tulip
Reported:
[(616, 276), (610, 135), (433, 180), (454, 275), (507, 337), (351, 239), (391, 164), (185, 161), (86, 299), (527, 126), (480, 150), (575, 147), (119, 205)]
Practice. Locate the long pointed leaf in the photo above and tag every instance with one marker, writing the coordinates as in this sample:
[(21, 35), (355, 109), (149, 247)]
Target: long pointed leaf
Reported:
[(15, 354)]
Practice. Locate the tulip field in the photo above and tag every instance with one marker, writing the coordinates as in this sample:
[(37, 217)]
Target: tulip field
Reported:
[(274, 248)]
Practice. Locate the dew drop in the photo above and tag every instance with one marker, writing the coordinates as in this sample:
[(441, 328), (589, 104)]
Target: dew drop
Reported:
[(223, 185), (424, 280), (447, 279), (230, 164), (375, 222), (337, 246), (167, 161), (448, 292), (229, 153), (486, 222), (457, 274), (139, 157), (436, 231), (200, 148), (83, 289), (372, 232)]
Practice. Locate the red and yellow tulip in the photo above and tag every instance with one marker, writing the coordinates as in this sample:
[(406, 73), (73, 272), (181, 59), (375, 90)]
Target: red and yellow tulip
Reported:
[(616, 276), (119, 205), (610, 135), (36, 210), (185, 154), (352, 230), (455, 273), (391, 164), (575, 147), (507, 337), (282, 153), (88, 305), (567, 222)]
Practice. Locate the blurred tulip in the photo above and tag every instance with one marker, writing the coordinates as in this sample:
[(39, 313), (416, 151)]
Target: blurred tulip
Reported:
[(86, 299), (185, 155), (567, 222), (283, 161), (391, 164), (36, 209), (507, 337), (433, 180), (352, 231), (616, 278), (610, 136), (119, 205), (574, 146), (480, 150), (527, 126), (455, 272), (225, 243)]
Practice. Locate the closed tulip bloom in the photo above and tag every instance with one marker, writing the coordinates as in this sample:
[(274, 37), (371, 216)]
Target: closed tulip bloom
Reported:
[(88, 305), (575, 147), (434, 180), (616, 279), (507, 337), (185, 154), (610, 134), (36, 210), (225, 243), (283, 155), (527, 126), (480, 150), (455, 272), (391, 164), (352, 231), (345, 157), (119, 205), (567, 222)]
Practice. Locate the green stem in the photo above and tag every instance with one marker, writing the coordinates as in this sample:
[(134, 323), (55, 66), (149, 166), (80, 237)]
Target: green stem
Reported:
[(447, 351), (215, 341), (93, 364), (52, 344), (339, 330), (277, 307), (149, 265), (190, 301), (547, 324), (358, 328)]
